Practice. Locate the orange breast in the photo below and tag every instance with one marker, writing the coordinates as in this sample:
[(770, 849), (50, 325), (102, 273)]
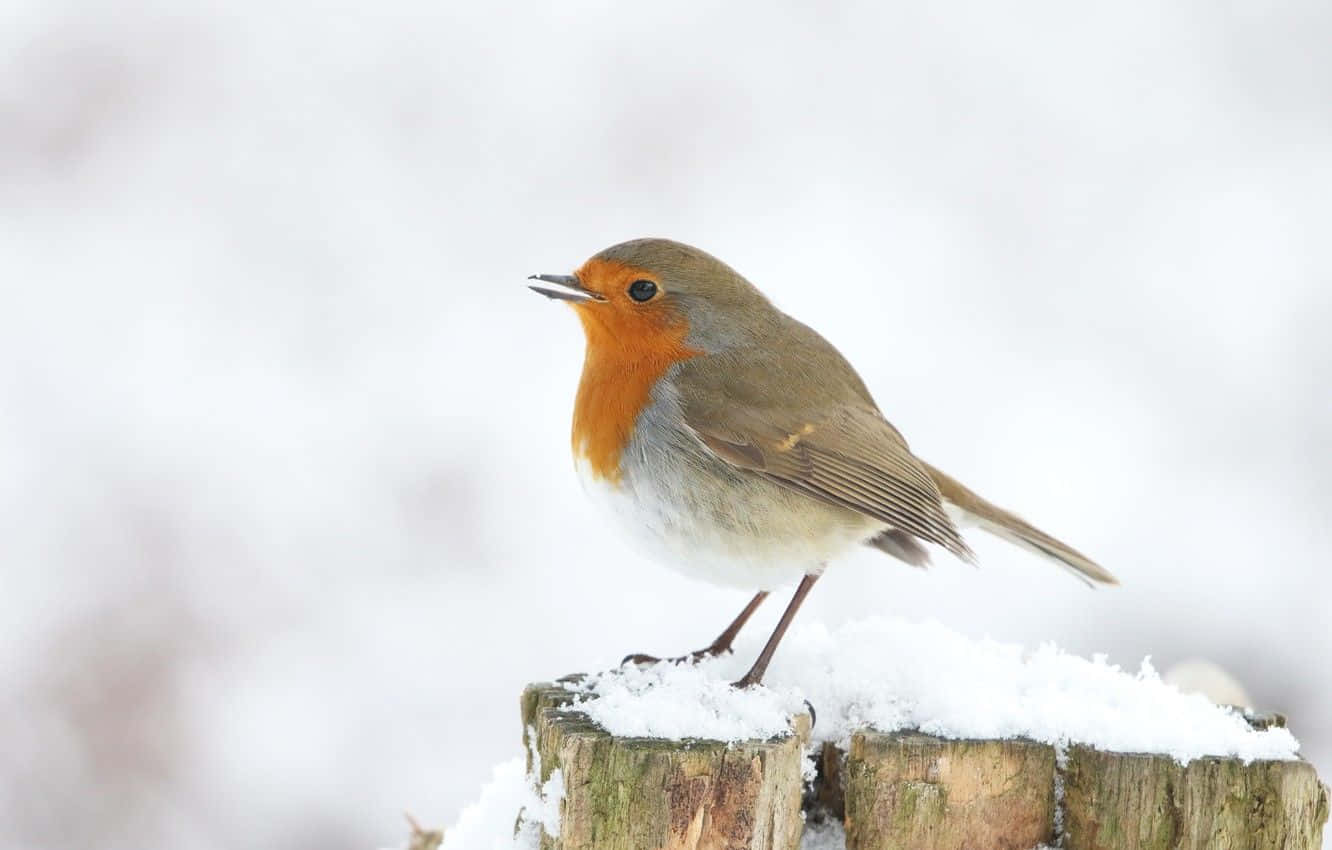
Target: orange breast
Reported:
[(629, 349)]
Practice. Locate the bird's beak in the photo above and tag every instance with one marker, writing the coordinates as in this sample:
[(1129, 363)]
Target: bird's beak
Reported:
[(573, 290)]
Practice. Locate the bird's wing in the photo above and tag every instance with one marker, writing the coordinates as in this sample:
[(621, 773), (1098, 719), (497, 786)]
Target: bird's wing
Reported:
[(848, 455)]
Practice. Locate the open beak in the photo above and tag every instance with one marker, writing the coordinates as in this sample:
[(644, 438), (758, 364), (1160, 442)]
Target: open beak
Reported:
[(572, 291)]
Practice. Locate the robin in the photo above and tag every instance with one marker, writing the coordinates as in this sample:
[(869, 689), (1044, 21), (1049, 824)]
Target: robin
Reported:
[(740, 445)]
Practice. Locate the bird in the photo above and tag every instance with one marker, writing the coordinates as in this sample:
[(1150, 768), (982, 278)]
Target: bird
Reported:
[(739, 446)]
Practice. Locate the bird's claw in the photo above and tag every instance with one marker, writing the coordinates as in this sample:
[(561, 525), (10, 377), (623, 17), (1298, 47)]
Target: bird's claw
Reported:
[(639, 658), (692, 658)]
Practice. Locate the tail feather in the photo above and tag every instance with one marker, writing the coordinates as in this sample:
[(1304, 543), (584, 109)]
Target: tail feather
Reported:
[(1018, 531)]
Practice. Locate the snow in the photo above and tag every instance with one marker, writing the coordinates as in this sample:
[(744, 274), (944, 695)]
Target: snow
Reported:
[(828, 835), (544, 807), (684, 701), (890, 674), (489, 823), (545, 810)]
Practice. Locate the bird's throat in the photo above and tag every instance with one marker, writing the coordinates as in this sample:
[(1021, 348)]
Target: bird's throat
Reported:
[(620, 371)]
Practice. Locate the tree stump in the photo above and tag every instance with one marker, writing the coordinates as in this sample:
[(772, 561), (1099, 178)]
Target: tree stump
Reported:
[(1117, 801), (636, 793), (904, 790), (916, 792)]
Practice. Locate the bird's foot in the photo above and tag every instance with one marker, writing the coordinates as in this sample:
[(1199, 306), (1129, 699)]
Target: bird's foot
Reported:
[(639, 658), (692, 658), (748, 680)]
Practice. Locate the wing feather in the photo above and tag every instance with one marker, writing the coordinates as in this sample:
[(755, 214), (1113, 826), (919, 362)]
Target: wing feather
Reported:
[(851, 457)]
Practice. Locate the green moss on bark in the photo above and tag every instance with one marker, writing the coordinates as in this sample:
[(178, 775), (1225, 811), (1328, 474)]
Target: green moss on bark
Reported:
[(629, 793), (907, 790), (1117, 800)]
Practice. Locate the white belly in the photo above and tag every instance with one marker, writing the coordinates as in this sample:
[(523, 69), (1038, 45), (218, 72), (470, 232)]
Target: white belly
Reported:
[(758, 537)]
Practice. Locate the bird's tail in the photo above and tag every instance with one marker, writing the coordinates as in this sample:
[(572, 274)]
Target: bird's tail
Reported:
[(1016, 530)]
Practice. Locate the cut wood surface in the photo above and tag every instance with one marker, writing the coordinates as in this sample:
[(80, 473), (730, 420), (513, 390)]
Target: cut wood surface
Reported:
[(637, 793), (905, 790)]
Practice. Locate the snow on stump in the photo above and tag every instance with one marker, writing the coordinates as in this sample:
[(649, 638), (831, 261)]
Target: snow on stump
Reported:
[(925, 739), (1117, 801), (625, 793), (908, 790)]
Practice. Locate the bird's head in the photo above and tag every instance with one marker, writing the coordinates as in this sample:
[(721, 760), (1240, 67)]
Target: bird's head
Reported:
[(650, 293)]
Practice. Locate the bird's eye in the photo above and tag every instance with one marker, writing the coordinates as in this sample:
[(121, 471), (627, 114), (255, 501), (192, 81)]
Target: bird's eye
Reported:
[(642, 290)]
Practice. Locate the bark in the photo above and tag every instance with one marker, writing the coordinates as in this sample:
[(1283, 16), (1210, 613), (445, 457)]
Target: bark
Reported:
[(1118, 800), (907, 790), (904, 790)]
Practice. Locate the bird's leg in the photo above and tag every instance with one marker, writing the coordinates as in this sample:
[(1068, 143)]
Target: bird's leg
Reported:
[(721, 645), (755, 674), (724, 640)]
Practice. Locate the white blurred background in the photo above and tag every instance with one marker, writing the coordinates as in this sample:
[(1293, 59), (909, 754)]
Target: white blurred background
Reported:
[(287, 516)]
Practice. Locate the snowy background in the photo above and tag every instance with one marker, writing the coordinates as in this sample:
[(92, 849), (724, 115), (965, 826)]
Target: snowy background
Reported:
[(287, 516)]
